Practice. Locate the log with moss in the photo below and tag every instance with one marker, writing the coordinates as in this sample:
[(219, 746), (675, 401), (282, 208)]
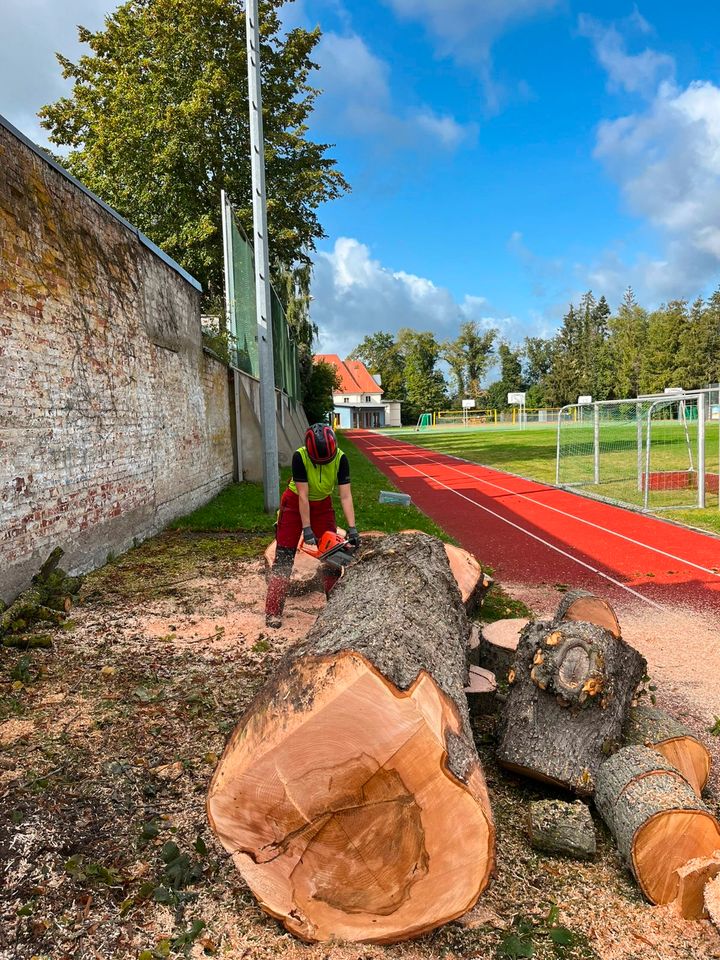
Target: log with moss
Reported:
[(651, 727), (350, 794), (560, 828), (570, 689), (47, 600), (657, 820)]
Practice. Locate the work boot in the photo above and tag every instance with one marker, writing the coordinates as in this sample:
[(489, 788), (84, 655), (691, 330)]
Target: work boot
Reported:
[(277, 590)]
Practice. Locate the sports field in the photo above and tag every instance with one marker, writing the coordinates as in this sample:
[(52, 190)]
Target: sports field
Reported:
[(531, 453)]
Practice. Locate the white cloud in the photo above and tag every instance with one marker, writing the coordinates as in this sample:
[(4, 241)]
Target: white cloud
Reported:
[(466, 28), (357, 99), (636, 73), (32, 31), (666, 161), (355, 295)]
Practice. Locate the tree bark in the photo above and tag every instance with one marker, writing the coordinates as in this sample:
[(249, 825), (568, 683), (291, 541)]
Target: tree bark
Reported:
[(657, 820), (570, 688), (586, 607), (350, 794), (650, 727), (562, 828)]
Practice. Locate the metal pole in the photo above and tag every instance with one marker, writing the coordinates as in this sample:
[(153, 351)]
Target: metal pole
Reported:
[(557, 448), (701, 400), (648, 440), (638, 418), (271, 480), (596, 442)]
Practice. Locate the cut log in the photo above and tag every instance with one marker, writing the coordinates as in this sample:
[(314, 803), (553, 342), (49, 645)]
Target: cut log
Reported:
[(657, 820), (473, 646), (350, 794), (712, 900), (586, 607), (480, 692), (650, 727), (472, 583), (693, 878), (570, 689), (557, 827), (498, 645)]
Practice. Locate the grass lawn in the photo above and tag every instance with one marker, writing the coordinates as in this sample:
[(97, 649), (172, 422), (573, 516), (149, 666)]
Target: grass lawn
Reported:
[(240, 506), (531, 453)]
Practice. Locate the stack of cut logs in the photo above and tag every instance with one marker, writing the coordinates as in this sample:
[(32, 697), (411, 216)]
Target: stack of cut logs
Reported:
[(351, 795)]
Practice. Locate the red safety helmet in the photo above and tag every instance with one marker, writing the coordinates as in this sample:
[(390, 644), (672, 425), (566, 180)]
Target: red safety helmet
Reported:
[(320, 443)]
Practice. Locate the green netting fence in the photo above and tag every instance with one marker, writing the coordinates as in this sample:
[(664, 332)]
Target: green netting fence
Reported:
[(242, 314)]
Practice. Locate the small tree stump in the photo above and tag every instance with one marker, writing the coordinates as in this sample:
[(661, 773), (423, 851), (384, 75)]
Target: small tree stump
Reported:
[(480, 692), (570, 689), (657, 820), (498, 645), (586, 607), (562, 828), (650, 727), (693, 878)]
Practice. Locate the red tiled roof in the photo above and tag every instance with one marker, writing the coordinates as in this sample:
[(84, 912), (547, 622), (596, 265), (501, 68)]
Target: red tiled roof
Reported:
[(354, 375)]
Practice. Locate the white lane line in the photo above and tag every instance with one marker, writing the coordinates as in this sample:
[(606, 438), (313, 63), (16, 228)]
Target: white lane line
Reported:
[(563, 513), (534, 536)]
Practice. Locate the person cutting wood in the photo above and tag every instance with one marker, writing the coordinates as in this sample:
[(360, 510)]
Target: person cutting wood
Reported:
[(306, 510)]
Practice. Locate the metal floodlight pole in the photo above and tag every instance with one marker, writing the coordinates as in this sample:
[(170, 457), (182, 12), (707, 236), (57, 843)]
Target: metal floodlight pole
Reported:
[(271, 481)]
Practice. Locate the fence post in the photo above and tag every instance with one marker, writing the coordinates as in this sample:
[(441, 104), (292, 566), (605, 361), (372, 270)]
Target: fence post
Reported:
[(557, 450), (638, 418), (648, 437), (701, 401), (596, 442)]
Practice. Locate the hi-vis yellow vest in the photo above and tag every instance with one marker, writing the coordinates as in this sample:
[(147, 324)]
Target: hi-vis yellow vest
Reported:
[(322, 477)]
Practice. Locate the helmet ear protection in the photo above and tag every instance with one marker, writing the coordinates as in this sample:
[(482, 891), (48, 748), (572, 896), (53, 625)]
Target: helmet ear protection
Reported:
[(320, 443)]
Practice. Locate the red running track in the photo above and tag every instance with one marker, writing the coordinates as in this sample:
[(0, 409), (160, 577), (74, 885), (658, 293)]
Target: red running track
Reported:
[(535, 534)]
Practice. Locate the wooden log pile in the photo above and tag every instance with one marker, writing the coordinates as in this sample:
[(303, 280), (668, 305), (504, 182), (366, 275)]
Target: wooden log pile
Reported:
[(47, 600), (351, 795)]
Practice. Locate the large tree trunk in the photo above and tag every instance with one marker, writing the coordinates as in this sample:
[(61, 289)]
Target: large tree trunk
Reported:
[(571, 686), (587, 608), (650, 727), (350, 794), (656, 818)]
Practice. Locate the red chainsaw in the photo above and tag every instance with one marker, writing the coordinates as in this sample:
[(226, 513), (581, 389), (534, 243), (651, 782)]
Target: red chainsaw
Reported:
[(332, 549)]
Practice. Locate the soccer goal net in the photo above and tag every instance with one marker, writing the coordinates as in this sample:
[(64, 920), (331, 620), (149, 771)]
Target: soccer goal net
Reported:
[(655, 453)]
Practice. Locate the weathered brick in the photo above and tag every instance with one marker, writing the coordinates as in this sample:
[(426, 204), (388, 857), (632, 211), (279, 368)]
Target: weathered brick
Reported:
[(112, 419)]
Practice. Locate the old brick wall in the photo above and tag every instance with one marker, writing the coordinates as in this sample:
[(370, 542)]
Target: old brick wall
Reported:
[(112, 418)]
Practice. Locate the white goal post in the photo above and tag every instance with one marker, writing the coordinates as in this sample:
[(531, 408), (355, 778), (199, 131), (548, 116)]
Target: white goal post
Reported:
[(652, 452)]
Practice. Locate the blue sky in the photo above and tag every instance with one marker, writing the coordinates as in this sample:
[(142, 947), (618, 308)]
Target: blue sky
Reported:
[(505, 155)]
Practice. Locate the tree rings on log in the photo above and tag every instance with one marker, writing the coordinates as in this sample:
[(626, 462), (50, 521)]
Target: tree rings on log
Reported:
[(350, 794), (693, 878), (586, 607), (498, 645), (557, 827), (570, 688), (480, 692), (657, 820), (650, 727)]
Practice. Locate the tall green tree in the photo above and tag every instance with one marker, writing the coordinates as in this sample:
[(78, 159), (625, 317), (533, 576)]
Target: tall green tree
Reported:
[(318, 398), (425, 384), (157, 124), (511, 377), (626, 344), (469, 356), (381, 354), (659, 365)]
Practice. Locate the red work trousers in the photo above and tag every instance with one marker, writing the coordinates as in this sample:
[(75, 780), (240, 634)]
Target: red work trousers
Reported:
[(287, 538)]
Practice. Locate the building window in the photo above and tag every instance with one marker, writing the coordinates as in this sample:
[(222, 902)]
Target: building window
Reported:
[(367, 400), (346, 399)]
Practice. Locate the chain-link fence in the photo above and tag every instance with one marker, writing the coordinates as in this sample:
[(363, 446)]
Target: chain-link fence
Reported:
[(242, 313)]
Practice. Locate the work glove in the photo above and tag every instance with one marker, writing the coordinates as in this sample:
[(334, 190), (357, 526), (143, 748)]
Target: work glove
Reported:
[(309, 537), (353, 537)]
